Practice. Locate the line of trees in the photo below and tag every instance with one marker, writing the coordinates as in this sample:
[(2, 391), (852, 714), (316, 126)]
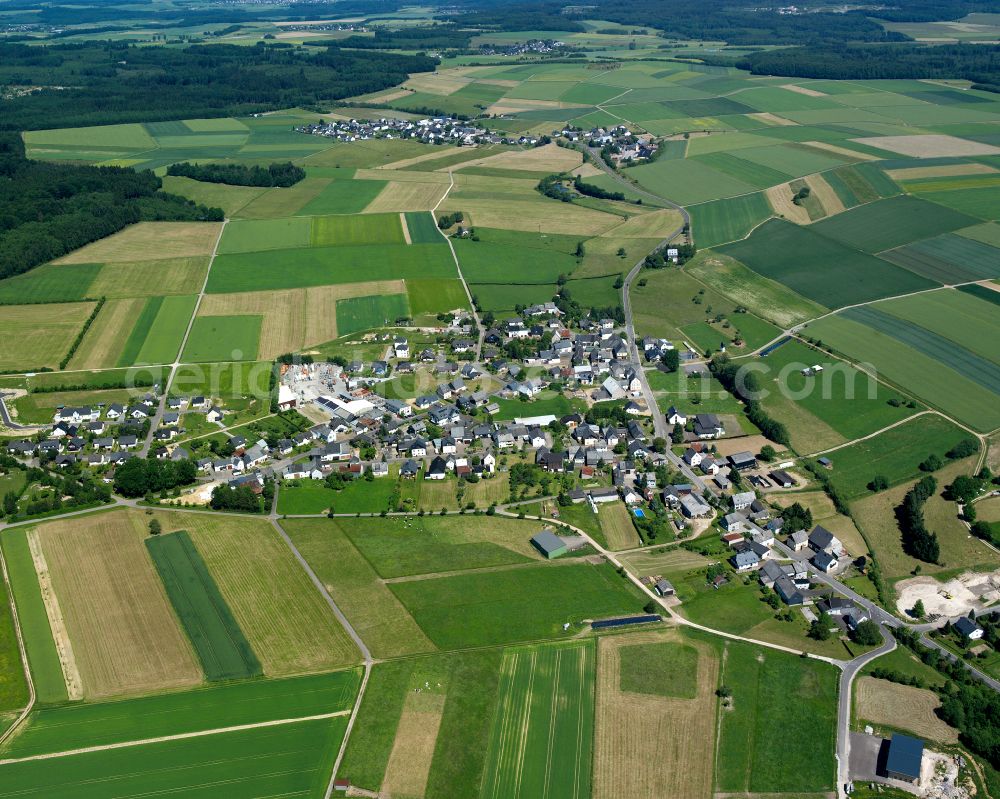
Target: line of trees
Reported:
[(276, 175), (744, 387), (591, 190), (918, 541)]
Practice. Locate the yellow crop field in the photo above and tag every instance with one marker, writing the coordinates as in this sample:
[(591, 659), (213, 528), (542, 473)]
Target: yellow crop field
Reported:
[(946, 171), (434, 154), (824, 192), (282, 615), (105, 340), (646, 564), (780, 198), (124, 634), (647, 745), (549, 158), (401, 175), (901, 707), (149, 241), (532, 215), (655, 225), (413, 747), (295, 318), (436, 83), (408, 196)]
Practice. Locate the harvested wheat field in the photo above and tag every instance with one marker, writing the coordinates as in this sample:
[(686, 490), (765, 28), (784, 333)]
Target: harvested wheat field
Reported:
[(104, 341), (408, 196), (436, 83), (403, 176), (284, 617), (780, 198), (648, 745), (549, 158), (901, 707), (824, 192), (929, 145), (124, 634), (802, 90), (654, 225), (530, 214), (295, 318), (413, 747), (946, 171), (854, 155), (771, 119), (435, 153), (149, 241)]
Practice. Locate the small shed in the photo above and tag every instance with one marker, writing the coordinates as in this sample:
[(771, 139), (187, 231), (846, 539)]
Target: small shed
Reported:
[(664, 588), (903, 761), (549, 544)]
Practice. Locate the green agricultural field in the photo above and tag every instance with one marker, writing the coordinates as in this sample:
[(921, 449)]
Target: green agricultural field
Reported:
[(540, 742), (50, 283), (321, 266), (687, 181), (223, 338), (422, 228), (343, 197), (948, 259), (958, 316), (158, 332), (43, 659), (793, 159), (779, 735), (503, 297), (231, 381), (254, 235), (820, 268), (932, 380), (357, 497), (215, 195), (365, 313), (37, 336), (840, 404), (670, 300), (381, 621), (980, 368), (721, 221), (757, 175), (60, 729), (667, 668), (546, 402), (456, 692), (287, 760), (329, 231), (766, 298), (890, 223), (426, 545), (224, 652), (895, 454), (981, 203), (488, 262), (516, 605), (13, 687), (436, 296)]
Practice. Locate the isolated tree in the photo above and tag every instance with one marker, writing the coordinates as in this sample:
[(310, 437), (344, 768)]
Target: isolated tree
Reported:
[(651, 607), (155, 528), (671, 360), (767, 453), (621, 252), (917, 611), (580, 250), (9, 503), (867, 634), (820, 628), (677, 434)]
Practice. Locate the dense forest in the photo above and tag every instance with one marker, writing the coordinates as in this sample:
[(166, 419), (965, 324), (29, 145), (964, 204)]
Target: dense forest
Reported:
[(114, 82), (432, 37), (48, 209), (275, 175), (977, 63)]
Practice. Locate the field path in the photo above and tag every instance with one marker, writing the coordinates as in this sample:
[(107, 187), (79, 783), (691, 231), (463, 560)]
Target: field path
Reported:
[(178, 737), (365, 652), (458, 266), (155, 421), (406, 228)]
